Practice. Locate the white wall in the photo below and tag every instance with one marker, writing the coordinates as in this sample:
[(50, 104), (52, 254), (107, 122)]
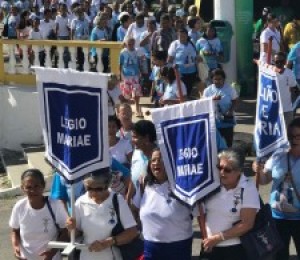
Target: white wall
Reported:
[(19, 117)]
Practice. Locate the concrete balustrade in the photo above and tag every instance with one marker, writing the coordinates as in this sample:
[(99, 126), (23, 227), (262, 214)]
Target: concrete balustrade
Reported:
[(16, 70)]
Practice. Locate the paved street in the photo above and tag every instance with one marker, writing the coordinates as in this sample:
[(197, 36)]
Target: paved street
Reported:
[(245, 115)]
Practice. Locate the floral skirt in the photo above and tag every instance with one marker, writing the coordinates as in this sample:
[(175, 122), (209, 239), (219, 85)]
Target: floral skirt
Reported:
[(130, 87)]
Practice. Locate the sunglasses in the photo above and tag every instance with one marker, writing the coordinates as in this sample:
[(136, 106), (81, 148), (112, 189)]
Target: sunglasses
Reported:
[(225, 169), (96, 189)]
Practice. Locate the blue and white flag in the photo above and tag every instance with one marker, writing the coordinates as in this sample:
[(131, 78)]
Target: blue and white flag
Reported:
[(270, 131), (186, 136), (73, 109)]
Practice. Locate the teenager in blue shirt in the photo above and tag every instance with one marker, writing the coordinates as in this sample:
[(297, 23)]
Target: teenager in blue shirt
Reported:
[(130, 74)]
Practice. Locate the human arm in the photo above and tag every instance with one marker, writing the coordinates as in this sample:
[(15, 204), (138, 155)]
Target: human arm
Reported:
[(265, 177), (16, 242), (247, 218)]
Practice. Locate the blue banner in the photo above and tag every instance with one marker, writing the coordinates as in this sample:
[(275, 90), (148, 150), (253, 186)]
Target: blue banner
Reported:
[(188, 144), (74, 118), (270, 131)]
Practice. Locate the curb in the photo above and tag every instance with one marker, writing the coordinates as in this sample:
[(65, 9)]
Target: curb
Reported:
[(17, 191)]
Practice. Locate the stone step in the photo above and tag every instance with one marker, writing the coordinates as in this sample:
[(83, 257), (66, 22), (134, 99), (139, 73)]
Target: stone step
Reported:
[(14, 164)]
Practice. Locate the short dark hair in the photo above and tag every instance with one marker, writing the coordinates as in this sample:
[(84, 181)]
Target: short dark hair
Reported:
[(145, 128), (169, 73), (294, 124), (218, 72), (35, 173), (115, 120), (160, 55), (124, 18), (192, 22)]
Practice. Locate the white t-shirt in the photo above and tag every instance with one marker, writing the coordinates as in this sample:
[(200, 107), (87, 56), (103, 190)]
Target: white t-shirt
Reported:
[(36, 226), (63, 25), (163, 218), (97, 221), (135, 32), (264, 38), (219, 215), (113, 99), (171, 91), (286, 80), (120, 150), (46, 27)]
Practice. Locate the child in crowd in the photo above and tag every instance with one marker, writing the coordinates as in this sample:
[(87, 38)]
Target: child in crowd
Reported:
[(159, 59), (119, 148), (195, 32), (130, 74), (114, 94), (125, 115), (171, 94), (36, 220), (125, 21), (35, 34)]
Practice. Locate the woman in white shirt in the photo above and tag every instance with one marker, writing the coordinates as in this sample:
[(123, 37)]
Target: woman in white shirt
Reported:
[(166, 222), (237, 202), (96, 218)]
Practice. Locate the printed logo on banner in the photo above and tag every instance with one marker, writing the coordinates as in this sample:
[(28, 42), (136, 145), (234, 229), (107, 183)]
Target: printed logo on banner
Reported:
[(270, 131), (74, 131), (189, 150)]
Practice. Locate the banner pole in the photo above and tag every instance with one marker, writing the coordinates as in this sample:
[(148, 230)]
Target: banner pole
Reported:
[(178, 81), (72, 234), (201, 220), (269, 50)]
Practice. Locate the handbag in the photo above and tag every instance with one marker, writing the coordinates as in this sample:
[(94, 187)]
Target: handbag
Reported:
[(263, 240), (132, 250)]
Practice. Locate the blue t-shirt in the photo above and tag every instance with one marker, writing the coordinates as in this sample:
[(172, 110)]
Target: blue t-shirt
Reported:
[(214, 46), (159, 84), (81, 29), (227, 94), (195, 36), (129, 62), (12, 23), (184, 56), (294, 57), (98, 34), (121, 32), (277, 165)]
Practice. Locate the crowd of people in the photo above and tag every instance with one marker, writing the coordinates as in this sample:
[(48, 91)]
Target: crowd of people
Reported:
[(160, 57)]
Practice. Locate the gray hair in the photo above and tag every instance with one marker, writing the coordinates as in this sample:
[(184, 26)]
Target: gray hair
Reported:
[(236, 158), (98, 179)]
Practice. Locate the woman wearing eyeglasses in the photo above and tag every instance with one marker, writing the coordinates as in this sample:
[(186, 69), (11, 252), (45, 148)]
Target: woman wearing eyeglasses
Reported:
[(96, 218), (283, 170), (231, 212)]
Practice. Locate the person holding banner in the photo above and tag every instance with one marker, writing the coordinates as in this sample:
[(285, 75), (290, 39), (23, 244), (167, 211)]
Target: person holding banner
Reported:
[(226, 99), (36, 220), (96, 218), (166, 222), (231, 212), (282, 169)]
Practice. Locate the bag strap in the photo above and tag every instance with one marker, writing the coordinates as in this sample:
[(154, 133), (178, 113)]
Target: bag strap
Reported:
[(51, 212), (290, 175), (115, 202)]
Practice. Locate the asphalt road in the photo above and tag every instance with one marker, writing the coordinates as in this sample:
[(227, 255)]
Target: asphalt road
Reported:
[(245, 125)]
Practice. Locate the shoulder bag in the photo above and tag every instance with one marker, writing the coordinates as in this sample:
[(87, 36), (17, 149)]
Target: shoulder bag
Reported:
[(134, 249), (263, 240)]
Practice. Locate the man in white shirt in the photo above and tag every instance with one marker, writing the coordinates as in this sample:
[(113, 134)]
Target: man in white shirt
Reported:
[(270, 32)]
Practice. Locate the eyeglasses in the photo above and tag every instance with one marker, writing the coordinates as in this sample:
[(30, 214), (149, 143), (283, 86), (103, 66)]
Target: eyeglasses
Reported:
[(225, 169), (294, 137), (96, 189)]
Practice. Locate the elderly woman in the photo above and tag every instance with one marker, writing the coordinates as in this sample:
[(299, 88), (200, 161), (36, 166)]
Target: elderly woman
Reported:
[(231, 212), (182, 52), (282, 169), (226, 99), (166, 222), (96, 218)]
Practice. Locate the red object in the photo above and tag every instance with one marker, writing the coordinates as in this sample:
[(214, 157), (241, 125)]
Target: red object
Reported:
[(140, 257)]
